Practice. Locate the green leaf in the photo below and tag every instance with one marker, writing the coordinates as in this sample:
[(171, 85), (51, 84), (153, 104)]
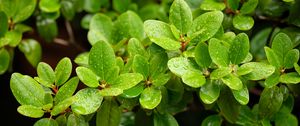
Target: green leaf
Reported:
[(239, 48), (121, 5), (243, 22), (62, 120), (273, 58), (66, 90), (32, 51), (43, 82), (193, 79), (4, 58), (110, 92), (246, 116), (202, 55), (272, 80), (87, 76), (113, 74), (220, 72), (68, 9), (258, 41), (180, 66), (283, 119), (213, 120), (141, 65), (109, 114), (243, 71), (82, 59), (233, 82), (161, 79), (102, 57), (233, 4), (205, 26), (62, 106), (290, 78), (297, 68), (63, 71), (12, 38), (100, 28), (3, 23), (270, 102), (45, 72), (134, 91), (218, 52), (158, 64), (181, 15), (76, 120), (49, 5), (47, 28), (30, 111), (290, 58), (92, 6), (249, 6), (88, 101), (164, 120), (127, 80), (46, 122), (281, 45), (48, 101), (260, 70), (135, 47), (18, 10), (26, 90), (150, 98), (210, 91), (242, 95), (209, 5), (160, 33)]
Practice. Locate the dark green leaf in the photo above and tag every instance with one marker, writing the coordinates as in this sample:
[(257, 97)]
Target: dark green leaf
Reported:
[(210, 91), (49, 5), (243, 22), (4, 58), (239, 48), (218, 53), (63, 71), (290, 78), (270, 102), (134, 91), (260, 70), (164, 120), (272, 80), (61, 120), (127, 80), (31, 111), (92, 6), (202, 55), (100, 29), (66, 90), (181, 15), (258, 41), (121, 5), (249, 6), (220, 72), (193, 79), (76, 120), (46, 122), (26, 90), (109, 114), (47, 28), (87, 76), (3, 23), (158, 64), (233, 82), (290, 58), (45, 72), (68, 9), (284, 119), (150, 98), (213, 120), (62, 106), (141, 65), (233, 4), (161, 79), (281, 45)]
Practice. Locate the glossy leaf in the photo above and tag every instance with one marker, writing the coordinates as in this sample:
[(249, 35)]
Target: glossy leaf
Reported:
[(100, 29), (88, 101), (4, 58), (270, 102), (101, 59), (141, 65), (205, 26), (242, 95), (150, 98), (249, 6), (109, 114), (135, 47), (30, 111), (13, 38), (62, 106), (46, 122), (202, 56), (290, 78), (110, 92), (26, 90), (3, 23), (164, 120), (49, 5), (281, 45), (181, 15), (180, 65), (45, 72), (66, 90), (259, 70), (18, 10), (213, 120), (220, 72), (161, 34), (158, 64), (272, 80), (243, 71), (63, 71), (193, 79), (161, 79), (133, 92), (82, 59), (87, 76), (210, 91), (233, 82), (127, 80), (290, 58), (273, 58), (243, 22), (212, 5), (218, 53), (297, 68), (32, 51), (239, 48)]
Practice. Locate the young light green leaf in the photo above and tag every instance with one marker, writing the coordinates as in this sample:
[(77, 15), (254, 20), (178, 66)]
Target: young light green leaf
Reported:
[(127, 80), (290, 78), (45, 72), (233, 4), (210, 5), (30, 111), (269, 102), (243, 71), (242, 95), (281, 45), (63, 71), (150, 98), (193, 79), (273, 58), (110, 92), (76, 120), (3, 24), (102, 57), (218, 53), (48, 101), (109, 114), (297, 68), (4, 58), (87, 76), (290, 58), (175, 32), (26, 90), (49, 5), (202, 55), (220, 72), (82, 59), (210, 91), (181, 15), (213, 120), (249, 6), (164, 120), (43, 82), (46, 122), (66, 90), (88, 101), (272, 80), (113, 74), (233, 82), (141, 65), (180, 65), (239, 48), (135, 47), (259, 70), (243, 22), (18, 10), (13, 38), (100, 29), (205, 26), (134, 91), (62, 106), (160, 33)]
